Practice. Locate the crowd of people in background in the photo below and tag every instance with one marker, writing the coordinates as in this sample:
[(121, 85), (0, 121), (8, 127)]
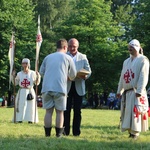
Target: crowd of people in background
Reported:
[(104, 100), (95, 100)]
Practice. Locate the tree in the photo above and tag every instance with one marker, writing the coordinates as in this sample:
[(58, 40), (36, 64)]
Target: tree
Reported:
[(141, 25), (16, 16), (92, 24), (51, 12), (124, 15)]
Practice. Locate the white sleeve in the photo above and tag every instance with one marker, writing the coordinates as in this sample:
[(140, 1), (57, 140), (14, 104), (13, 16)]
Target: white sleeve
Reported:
[(15, 80), (72, 70), (120, 84), (143, 77)]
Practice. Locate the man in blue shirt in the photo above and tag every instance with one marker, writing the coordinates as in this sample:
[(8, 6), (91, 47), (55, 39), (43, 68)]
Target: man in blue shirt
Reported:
[(56, 69)]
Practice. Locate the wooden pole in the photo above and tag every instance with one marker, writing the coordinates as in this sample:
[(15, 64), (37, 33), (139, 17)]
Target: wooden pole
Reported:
[(36, 86), (14, 101), (38, 40), (36, 91), (14, 87)]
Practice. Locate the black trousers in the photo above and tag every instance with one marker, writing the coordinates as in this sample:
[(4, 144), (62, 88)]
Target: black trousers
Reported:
[(73, 101)]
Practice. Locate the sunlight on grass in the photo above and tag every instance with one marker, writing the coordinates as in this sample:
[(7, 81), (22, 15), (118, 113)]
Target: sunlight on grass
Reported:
[(99, 131)]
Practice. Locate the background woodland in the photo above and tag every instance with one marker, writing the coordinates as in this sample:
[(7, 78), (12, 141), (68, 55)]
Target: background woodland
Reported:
[(103, 28)]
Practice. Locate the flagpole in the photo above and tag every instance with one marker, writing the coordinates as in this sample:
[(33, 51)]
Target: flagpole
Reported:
[(38, 45), (14, 100), (11, 56), (36, 87), (14, 87)]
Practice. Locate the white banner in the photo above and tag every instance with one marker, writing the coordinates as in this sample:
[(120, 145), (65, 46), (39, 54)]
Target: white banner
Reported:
[(11, 57), (38, 44)]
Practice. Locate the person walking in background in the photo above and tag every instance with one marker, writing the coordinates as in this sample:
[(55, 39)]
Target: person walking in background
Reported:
[(105, 94), (101, 98), (132, 87), (76, 88), (90, 100), (4, 100), (25, 109), (96, 99), (56, 69), (111, 99)]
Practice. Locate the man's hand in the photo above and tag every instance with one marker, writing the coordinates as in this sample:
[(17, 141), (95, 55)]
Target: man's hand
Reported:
[(118, 95), (137, 94), (14, 73), (69, 79), (37, 75)]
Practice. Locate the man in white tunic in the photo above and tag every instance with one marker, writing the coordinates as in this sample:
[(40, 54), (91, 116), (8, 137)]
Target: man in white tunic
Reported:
[(56, 69), (132, 87), (26, 109)]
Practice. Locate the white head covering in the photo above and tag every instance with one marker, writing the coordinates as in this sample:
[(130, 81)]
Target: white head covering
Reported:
[(136, 44), (26, 60)]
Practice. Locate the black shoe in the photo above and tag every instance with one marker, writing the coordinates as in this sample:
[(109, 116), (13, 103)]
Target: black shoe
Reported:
[(30, 122), (59, 131), (130, 135), (76, 135), (65, 134), (19, 121), (134, 137), (47, 131)]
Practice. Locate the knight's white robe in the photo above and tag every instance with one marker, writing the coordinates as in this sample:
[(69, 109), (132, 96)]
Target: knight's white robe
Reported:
[(25, 109), (134, 75)]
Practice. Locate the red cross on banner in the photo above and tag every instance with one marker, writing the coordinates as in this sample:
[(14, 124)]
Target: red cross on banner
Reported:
[(11, 44), (127, 77), (39, 38), (25, 83)]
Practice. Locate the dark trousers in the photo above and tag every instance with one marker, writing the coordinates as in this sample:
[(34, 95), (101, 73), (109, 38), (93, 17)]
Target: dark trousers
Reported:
[(75, 101), (111, 105)]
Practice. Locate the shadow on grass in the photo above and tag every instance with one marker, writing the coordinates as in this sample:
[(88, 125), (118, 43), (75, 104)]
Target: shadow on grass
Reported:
[(99, 127), (67, 143)]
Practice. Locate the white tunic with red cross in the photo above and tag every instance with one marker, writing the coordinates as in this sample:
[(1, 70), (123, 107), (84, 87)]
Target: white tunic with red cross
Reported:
[(134, 75), (26, 108), (25, 83)]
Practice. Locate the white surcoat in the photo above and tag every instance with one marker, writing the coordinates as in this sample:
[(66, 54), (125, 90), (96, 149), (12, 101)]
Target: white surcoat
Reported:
[(26, 110), (134, 78)]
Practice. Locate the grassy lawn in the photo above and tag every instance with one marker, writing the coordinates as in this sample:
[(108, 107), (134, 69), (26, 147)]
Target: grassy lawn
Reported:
[(99, 131)]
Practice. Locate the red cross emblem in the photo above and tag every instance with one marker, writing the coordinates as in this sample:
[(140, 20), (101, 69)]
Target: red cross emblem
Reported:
[(127, 77), (11, 43), (142, 100), (25, 83), (38, 38)]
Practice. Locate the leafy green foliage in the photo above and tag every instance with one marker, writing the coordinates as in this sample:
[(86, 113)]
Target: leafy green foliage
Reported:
[(51, 12), (103, 28), (92, 24), (16, 16), (141, 25)]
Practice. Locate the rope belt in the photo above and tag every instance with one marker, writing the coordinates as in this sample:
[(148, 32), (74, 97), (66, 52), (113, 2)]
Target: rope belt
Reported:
[(24, 88), (128, 90)]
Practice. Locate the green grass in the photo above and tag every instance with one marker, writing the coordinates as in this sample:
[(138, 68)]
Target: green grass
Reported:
[(99, 131)]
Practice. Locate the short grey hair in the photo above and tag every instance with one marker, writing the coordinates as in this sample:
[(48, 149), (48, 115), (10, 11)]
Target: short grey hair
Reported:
[(72, 40)]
